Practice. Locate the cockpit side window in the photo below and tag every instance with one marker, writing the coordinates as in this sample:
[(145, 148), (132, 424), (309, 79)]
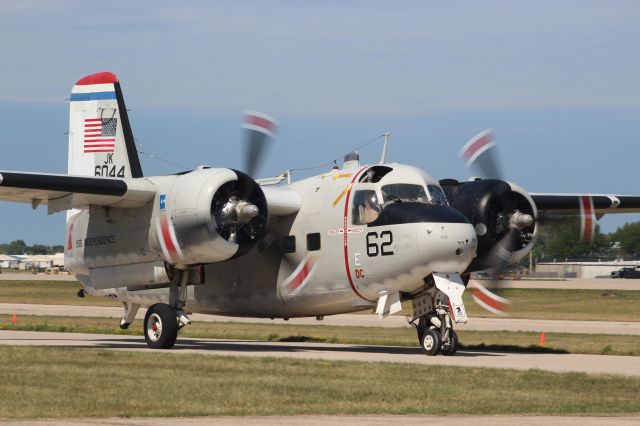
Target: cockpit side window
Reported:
[(366, 207), (437, 195), (402, 192)]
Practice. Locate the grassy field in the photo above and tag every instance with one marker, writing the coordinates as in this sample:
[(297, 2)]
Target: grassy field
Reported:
[(558, 304), (49, 293), (485, 340), (54, 382)]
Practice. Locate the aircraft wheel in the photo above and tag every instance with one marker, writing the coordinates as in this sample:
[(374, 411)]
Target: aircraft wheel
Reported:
[(431, 341), (452, 347), (160, 326)]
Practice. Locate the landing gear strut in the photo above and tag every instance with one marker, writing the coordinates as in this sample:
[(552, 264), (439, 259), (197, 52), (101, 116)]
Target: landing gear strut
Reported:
[(432, 312), (436, 334), (162, 321)]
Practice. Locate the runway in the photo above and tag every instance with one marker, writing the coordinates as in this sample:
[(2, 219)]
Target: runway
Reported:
[(592, 364), (356, 320)]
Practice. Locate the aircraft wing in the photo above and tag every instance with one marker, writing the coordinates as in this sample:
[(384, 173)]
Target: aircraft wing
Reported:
[(597, 204), (62, 192)]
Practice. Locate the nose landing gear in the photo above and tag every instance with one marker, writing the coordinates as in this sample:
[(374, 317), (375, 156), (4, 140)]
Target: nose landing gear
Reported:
[(432, 314), (436, 334)]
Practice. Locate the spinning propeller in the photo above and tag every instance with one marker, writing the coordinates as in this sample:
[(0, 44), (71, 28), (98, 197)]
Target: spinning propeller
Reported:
[(511, 225)]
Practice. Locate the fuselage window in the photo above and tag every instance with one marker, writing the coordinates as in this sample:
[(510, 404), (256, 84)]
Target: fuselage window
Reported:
[(437, 195), (366, 207), (313, 241), (402, 192), (289, 244)]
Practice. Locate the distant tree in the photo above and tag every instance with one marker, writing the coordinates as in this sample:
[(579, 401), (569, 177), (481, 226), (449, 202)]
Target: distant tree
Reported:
[(38, 249), (17, 247), (56, 249), (628, 237), (561, 239), (4, 248)]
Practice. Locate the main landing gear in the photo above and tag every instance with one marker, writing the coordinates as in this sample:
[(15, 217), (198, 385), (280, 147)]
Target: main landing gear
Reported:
[(162, 321)]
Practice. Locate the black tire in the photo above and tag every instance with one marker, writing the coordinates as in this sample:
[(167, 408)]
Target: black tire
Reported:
[(160, 326), (431, 341), (452, 347)]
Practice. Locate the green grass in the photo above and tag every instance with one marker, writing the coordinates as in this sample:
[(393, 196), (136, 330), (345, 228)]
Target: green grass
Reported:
[(561, 304), (485, 340), (49, 293), (60, 382)]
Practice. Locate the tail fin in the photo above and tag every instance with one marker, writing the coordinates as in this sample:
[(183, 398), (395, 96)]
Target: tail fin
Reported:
[(100, 138)]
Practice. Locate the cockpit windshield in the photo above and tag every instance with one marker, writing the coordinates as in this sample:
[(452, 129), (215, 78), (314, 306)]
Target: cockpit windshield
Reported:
[(437, 195), (401, 192)]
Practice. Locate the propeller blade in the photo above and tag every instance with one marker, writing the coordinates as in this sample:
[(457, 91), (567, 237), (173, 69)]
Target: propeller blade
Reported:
[(489, 300), (481, 152), (260, 130), (587, 219)]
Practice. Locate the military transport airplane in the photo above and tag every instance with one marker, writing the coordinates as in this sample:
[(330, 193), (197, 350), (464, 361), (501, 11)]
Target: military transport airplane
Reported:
[(216, 241)]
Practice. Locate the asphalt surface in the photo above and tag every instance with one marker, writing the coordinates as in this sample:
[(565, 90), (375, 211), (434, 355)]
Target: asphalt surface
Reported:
[(342, 420), (592, 364), (358, 320)]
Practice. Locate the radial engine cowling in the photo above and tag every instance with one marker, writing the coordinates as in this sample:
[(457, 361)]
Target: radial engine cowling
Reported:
[(503, 215), (210, 215)]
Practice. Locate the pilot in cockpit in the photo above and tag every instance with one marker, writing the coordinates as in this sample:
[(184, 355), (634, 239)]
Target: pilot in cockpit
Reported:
[(366, 207)]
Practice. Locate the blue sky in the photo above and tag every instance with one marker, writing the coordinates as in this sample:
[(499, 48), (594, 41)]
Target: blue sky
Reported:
[(559, 82)]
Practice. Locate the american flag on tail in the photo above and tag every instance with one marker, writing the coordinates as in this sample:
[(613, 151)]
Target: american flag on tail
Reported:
[(100, 134)]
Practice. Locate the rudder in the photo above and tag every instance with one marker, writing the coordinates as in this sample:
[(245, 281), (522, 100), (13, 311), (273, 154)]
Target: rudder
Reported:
[(100, 138)]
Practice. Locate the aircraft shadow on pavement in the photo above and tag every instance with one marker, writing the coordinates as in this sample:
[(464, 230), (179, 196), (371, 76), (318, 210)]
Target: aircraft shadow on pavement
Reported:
[(232, 346)]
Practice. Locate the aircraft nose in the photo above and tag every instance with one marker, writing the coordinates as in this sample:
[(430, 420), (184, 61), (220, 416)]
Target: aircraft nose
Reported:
[(451, 247), (445, 236)]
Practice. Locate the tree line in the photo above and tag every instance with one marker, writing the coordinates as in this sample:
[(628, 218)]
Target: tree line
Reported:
[(20, 247), (561, 239)]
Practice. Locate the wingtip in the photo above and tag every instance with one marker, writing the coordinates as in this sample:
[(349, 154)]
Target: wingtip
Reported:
[(98, 78)]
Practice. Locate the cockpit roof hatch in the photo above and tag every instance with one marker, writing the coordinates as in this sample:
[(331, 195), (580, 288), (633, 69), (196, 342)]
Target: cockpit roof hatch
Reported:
[(374, 174)]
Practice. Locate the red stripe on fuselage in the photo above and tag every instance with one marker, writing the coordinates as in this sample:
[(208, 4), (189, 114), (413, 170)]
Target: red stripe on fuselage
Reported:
[(301, 276), (166, 236), (346, 235)]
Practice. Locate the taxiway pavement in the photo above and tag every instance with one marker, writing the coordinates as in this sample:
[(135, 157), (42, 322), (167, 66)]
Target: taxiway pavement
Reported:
[(592, 364)]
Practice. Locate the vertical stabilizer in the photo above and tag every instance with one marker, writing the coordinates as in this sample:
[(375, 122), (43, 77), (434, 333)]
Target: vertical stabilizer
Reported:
[(100, 138)]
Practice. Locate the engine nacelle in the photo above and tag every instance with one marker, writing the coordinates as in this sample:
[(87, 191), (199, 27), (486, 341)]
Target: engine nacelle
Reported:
[(208, 216), (503, 215)]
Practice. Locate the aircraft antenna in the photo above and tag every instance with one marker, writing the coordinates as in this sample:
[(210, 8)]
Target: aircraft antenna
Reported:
[(383, 157)]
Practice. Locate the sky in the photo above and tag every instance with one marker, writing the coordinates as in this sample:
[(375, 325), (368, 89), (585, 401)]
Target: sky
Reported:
[(559, 82)]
